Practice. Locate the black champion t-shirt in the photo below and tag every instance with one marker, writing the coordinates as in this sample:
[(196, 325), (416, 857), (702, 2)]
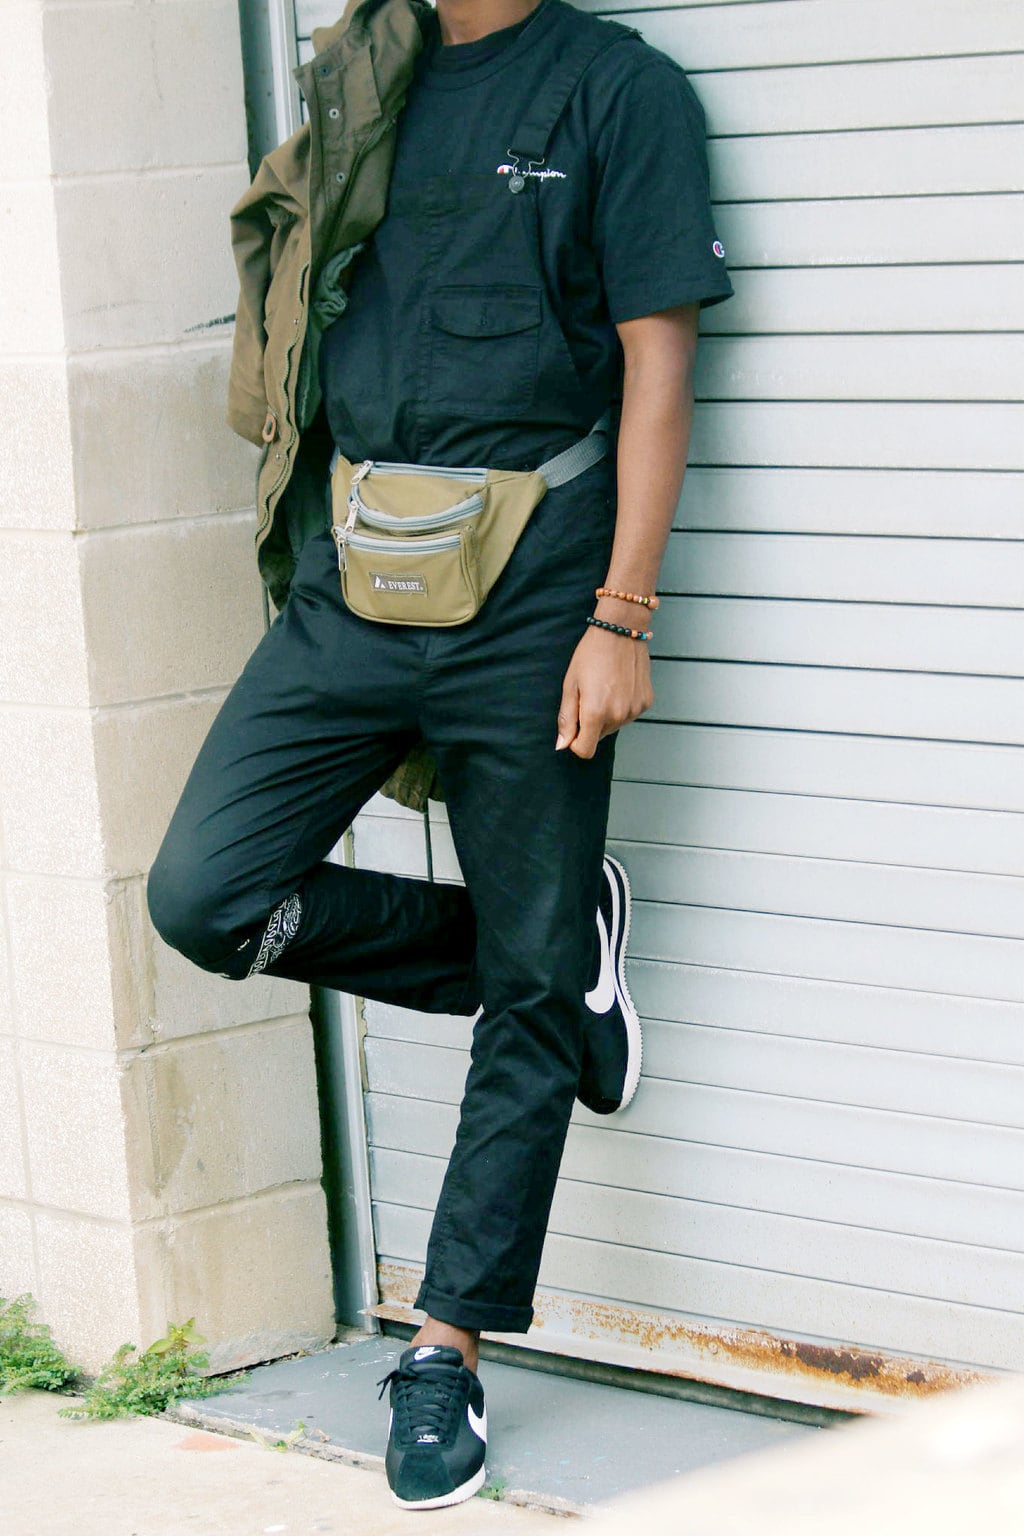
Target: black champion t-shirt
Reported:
[(625, 222)]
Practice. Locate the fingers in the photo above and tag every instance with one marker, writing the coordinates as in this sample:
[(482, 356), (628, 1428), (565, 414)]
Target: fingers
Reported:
[(592, 727), (595, 725), (568, 715)]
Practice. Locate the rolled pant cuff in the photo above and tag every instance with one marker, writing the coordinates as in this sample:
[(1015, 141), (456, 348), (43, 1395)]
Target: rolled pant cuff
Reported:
[(474, 1314)]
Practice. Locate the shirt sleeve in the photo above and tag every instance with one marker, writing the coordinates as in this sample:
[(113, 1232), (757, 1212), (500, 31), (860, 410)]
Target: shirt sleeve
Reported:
[(653, 230)]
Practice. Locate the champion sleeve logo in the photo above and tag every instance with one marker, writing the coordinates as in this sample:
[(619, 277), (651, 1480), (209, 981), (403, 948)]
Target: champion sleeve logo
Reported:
[(719, 249)]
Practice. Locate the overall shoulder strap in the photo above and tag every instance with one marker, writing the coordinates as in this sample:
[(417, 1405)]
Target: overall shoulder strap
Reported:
[(534, 132)]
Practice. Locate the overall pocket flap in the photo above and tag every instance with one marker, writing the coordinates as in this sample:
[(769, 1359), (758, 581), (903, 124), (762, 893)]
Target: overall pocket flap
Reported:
[(486, 311)]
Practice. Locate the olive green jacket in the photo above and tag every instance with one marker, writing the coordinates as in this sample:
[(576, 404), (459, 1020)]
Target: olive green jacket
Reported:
[(313, 202)]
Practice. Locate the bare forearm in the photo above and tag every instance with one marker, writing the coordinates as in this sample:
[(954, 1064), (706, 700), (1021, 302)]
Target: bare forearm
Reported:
[(654, 436), (608, 682)]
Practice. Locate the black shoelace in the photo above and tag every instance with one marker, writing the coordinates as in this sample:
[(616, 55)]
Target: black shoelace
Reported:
[(426, 1400)]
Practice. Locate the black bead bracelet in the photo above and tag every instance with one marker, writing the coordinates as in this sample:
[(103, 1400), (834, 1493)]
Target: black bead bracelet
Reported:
[(621, 629)]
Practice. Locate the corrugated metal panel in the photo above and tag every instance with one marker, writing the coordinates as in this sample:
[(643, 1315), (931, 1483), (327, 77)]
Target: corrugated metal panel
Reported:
[(823, 815), (852, 891)]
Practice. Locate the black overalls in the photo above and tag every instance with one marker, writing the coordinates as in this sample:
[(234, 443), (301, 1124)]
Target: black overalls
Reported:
[(328, 704)]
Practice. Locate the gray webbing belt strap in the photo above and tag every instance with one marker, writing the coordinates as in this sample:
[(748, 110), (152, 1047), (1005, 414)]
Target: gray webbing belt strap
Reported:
[(565, 466), (572, 461)]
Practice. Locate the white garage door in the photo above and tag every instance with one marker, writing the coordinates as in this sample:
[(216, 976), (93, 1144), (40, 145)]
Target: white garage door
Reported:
[(819, 1190)]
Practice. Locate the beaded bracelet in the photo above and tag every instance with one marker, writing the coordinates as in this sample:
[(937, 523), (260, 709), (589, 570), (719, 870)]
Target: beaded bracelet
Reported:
[(620, 629), (629, 597)]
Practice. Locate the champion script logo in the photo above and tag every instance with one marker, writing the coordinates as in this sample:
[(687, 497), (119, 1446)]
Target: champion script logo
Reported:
[(543, 175)]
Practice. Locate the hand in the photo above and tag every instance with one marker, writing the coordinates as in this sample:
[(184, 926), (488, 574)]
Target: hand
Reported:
[(607, 684)]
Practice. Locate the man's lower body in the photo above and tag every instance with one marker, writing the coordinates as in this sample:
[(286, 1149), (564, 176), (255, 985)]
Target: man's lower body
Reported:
[(325, 708)]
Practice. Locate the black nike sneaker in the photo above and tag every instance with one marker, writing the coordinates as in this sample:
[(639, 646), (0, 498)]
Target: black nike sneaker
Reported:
[(438, 1431), (612, 1046)]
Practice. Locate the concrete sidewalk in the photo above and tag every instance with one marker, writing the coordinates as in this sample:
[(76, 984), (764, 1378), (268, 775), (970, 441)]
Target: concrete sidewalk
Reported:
[(952, 1466), (151, 1477)]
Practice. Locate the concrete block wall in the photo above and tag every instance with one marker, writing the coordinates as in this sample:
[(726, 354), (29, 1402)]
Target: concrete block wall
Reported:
[(159, 1137)]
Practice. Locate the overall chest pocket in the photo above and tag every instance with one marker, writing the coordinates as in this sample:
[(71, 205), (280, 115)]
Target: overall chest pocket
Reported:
[(484, 346)]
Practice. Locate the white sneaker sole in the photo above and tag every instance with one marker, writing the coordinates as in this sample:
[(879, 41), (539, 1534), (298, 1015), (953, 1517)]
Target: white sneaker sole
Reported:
[(457, 1495), (634, 1037)]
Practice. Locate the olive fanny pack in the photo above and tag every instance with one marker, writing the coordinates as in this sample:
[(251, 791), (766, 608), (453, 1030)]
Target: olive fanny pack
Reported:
[(423, 543)]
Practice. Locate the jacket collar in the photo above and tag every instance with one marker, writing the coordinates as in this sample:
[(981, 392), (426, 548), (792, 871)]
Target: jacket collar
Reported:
[(357, 18)]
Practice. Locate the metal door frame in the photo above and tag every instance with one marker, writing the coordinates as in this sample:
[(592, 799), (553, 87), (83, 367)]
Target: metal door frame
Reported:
[(272, 50)]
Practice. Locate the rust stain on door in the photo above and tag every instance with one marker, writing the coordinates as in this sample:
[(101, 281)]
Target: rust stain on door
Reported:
[(672, 1346)]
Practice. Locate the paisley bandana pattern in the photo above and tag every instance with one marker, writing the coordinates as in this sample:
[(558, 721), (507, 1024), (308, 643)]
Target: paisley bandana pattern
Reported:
[(282, 926)]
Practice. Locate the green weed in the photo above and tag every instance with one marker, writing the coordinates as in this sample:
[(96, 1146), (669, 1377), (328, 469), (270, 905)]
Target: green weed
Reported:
[(281, 1443), (134, 1383), (28, 1355)]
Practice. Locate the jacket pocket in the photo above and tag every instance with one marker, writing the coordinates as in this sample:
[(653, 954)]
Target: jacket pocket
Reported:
[(484, 345)]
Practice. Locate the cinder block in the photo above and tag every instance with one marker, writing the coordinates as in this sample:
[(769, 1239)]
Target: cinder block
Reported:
[(61, 960), (76, 1129), (6, 995), (24, 143), (131, 973), (35, 461), (51, 810), (17, 1260), (189, 1001), (256, 1276), (42, 659), (171, 608), (146, 258), (150, 440), (216, 1120), (31, 318), (12, 1161), (143, 756), (125, 83), (88, 1290)]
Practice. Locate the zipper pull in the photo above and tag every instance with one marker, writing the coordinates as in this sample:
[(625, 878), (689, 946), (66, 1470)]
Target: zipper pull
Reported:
[(341, 534), (353, 505)]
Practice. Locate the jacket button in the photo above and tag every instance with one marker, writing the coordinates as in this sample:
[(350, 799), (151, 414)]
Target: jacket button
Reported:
[(334, 112), (340, 176), (269, 428)]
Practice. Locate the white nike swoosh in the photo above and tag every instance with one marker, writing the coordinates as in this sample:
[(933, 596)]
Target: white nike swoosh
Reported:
[(425, 1351), (478, 1423), (602, 995)]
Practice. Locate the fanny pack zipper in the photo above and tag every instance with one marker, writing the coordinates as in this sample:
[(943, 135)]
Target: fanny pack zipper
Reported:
[(425, 520), (389, 547), (385, 467), (402, 546)]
